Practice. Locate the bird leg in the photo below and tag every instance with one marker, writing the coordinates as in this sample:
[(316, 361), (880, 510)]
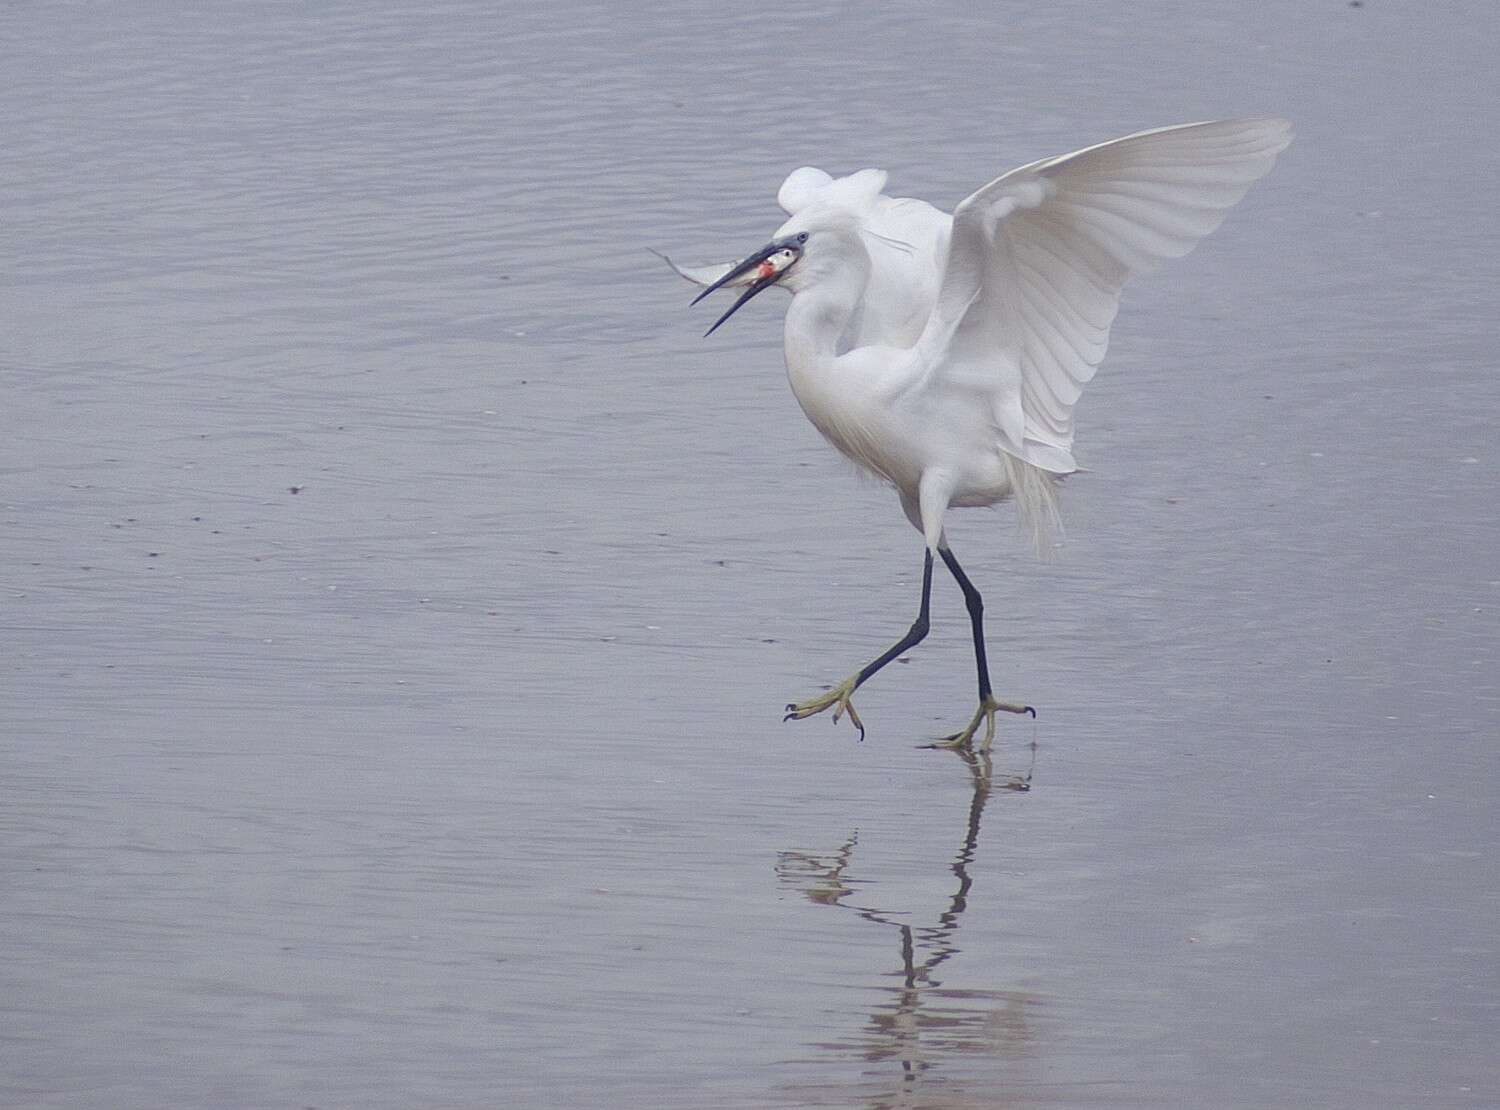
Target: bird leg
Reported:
[(988, 706), (841, 693)]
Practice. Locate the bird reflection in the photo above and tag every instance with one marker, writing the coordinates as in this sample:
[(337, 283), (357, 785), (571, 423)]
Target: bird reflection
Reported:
[(920, 1022)]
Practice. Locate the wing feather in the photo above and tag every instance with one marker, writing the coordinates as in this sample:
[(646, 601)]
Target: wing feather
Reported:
[(1037, 259)]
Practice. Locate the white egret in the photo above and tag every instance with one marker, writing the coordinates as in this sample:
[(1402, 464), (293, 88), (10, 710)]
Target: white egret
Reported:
[(944, 354)]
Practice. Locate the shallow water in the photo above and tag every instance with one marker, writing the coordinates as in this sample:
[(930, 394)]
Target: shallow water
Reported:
[(400, 598)]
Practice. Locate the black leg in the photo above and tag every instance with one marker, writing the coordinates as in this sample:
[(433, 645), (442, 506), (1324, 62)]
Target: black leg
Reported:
[(914, 635), (837, 698), (975, 604)]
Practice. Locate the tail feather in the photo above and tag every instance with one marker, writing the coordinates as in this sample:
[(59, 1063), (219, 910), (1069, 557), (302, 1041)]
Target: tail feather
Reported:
[(1034, 491)]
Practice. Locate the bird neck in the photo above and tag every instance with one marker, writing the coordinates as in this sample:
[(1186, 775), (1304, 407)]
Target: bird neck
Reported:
[(819, 323)]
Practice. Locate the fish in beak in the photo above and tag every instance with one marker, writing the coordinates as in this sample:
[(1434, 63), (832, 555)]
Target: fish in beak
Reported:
[(759, 272)]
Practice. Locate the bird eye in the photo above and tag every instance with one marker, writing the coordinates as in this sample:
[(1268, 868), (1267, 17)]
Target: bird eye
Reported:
[(802, 237)]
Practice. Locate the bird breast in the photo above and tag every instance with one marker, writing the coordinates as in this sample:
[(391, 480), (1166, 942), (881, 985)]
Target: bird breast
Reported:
[(870, 407)]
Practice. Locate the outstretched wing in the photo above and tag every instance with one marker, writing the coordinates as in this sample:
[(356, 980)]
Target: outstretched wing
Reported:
[(1037, 259)]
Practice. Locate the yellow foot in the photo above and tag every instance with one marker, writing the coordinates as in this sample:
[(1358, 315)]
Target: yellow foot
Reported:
[(838, 696), (986, 713)]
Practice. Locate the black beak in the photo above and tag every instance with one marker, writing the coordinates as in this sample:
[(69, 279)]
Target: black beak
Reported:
[(760, 285)]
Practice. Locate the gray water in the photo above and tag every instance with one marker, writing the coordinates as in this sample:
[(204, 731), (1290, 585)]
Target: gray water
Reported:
[(399, 597)]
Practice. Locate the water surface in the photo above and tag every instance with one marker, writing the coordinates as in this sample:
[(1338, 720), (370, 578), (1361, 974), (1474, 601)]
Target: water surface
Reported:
[(400, 597)]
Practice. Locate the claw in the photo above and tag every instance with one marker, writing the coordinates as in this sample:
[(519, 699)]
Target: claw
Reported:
[(836, 699), (853, 718), (986, 713)]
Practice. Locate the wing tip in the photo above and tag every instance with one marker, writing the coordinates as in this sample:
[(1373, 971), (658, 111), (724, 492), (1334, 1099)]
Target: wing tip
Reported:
[(1279, 131)]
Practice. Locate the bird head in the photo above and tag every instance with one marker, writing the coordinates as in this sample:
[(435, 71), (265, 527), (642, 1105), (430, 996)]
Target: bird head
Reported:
[(758, 272), (817, 238)]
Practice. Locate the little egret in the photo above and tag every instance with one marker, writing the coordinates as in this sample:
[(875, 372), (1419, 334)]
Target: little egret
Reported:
[(944, 354)]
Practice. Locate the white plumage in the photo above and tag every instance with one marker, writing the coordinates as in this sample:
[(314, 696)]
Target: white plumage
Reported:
[(945, 353)]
